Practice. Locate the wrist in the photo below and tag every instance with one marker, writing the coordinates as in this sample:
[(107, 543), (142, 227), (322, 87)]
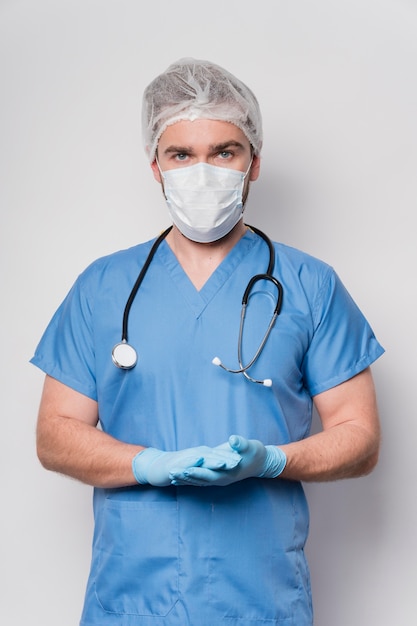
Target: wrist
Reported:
[(275, 462), (141, 463)]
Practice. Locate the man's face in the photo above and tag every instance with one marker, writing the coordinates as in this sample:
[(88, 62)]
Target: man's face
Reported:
[(214, 142)]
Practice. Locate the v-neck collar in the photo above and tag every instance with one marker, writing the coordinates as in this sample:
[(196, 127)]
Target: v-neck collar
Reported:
[(198, 299)]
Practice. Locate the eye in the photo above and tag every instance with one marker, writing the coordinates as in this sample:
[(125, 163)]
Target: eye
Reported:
[(225, 154), (181, 156)]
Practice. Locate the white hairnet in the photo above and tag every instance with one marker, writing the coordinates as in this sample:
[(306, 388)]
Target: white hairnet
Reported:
[(192, 89)]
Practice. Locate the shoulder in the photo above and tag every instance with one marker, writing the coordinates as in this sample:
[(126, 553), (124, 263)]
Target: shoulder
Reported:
[(295, 268), (125, 261), (298, 257), (297, 263), (309, 282), (119, 258)]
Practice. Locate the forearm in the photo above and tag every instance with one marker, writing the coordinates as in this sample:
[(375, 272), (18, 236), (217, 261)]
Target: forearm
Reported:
[(345, 451), (76, 448), (80, 450)]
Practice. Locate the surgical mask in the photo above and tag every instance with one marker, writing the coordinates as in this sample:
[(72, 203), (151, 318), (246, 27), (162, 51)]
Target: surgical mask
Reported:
[(204, 201)]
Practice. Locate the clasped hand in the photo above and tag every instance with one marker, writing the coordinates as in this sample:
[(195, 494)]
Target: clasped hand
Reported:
[(235, 460), (155, 467), (256, 461)]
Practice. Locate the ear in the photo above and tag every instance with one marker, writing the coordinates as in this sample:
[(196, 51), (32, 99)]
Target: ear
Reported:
[(156, 172), (255, 167)]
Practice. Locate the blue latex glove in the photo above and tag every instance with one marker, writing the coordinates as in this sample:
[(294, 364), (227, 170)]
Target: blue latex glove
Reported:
[(155, 467), (257, 461)]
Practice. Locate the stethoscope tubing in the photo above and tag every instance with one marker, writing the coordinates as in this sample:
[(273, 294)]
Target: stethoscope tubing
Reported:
[(139, 281), (124, 355)]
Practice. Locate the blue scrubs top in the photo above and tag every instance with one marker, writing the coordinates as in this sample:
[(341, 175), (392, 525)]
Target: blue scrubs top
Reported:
[(189, 556)]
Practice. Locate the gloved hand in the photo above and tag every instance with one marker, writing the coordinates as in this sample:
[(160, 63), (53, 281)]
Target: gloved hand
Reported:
[(257, 461), (155, 467)]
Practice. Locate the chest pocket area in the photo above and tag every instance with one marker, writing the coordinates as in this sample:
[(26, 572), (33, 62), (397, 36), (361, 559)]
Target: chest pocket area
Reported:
[(137, 557)]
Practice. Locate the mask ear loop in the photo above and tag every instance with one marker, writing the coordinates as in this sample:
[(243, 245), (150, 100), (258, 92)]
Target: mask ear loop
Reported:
[(248, 170), (161, 174), (159, 167), (160, 170), (245, 192)]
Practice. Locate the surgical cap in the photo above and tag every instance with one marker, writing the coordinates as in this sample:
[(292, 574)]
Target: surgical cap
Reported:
[(192, 89)]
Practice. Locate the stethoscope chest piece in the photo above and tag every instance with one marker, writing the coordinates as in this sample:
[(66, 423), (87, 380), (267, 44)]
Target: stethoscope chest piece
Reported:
[(124, 356)]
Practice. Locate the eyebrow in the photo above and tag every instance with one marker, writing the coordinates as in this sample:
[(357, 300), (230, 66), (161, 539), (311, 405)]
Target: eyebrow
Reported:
[(179, 149), (219, 147), (227, 144)]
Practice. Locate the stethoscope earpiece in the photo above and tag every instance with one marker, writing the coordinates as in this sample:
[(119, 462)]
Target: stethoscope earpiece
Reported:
[(267, 382)]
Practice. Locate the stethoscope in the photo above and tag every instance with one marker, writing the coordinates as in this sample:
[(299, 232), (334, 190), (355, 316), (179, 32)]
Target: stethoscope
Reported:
[(125, 356)]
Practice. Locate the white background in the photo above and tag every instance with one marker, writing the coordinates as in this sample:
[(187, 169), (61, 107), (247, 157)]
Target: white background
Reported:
[(336, 81)]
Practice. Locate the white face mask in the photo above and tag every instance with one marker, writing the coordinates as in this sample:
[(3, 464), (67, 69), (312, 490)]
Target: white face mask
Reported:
[(204, 201)]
